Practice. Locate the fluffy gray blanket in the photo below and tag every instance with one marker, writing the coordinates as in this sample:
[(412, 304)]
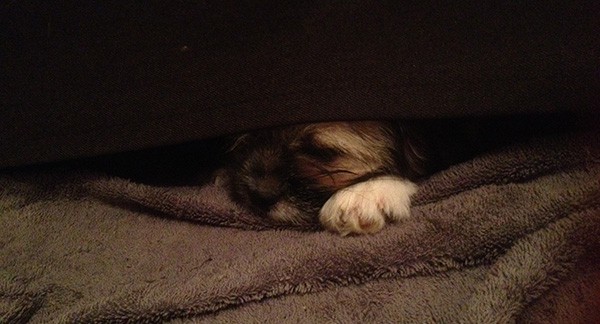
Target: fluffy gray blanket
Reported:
[(509, 236)]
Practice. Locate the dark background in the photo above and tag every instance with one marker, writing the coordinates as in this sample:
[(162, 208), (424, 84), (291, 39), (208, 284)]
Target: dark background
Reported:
[(84, 78)]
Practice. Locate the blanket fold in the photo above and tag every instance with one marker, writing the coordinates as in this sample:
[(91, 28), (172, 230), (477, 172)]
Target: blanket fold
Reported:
[(487, 240)]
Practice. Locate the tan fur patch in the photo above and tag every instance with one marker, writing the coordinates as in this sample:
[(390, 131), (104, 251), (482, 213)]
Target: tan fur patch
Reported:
[(361, 148)]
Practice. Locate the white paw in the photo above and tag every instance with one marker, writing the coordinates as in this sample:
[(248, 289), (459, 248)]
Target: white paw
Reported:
[(364, 207)]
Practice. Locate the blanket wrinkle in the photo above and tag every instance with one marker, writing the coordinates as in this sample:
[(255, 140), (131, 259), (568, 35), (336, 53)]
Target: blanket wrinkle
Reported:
[(557, 248), (17, 303), (532, 159), (487, 239), (186, 203)]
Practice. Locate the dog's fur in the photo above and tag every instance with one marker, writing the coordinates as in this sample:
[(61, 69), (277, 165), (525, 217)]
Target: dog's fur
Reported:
[(353, 175)]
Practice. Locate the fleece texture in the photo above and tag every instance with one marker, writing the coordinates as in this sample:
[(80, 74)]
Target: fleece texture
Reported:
[(504, 237)]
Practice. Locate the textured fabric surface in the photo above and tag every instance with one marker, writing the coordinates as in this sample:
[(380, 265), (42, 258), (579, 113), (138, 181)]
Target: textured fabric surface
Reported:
[(499, 238), (86, 79)]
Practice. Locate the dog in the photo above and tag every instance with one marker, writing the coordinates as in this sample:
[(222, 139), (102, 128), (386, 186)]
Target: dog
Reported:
[(353, 176)]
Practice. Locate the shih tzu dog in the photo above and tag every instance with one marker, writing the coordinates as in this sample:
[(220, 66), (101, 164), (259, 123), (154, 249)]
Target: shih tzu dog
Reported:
[(353, 176)]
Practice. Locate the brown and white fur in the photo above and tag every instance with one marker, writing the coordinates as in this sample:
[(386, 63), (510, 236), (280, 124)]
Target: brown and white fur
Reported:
[(353, 176)]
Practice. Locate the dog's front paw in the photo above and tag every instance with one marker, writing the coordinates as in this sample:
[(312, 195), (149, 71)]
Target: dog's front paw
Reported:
[(366, 206)]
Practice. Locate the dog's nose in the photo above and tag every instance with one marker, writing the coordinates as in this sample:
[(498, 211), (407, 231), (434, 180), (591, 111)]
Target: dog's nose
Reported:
[(268, 190)]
